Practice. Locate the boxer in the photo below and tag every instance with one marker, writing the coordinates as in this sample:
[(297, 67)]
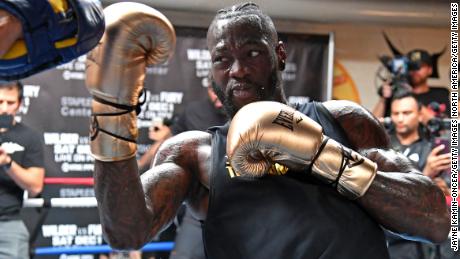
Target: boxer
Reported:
[(310, 181)]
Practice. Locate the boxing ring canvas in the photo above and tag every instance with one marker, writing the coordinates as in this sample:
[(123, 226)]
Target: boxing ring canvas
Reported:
[(58, 105)]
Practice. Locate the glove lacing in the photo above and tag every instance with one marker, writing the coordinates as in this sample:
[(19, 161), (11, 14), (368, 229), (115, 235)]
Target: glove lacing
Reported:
[(127, 109), (346, 158)]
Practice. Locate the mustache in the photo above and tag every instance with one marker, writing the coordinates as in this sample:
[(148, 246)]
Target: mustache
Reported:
[(242, 84)]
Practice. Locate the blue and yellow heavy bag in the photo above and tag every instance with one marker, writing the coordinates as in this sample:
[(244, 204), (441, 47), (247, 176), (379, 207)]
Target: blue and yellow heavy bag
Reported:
[(54, 32)]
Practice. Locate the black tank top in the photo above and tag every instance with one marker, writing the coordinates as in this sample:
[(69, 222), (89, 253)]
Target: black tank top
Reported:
[(285, 217)]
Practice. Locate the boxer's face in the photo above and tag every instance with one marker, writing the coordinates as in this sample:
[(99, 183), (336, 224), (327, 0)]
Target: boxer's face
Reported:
[(9, 100), (244, 62)]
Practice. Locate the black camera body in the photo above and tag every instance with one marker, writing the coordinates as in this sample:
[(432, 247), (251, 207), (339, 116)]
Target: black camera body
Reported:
[(439, 132), (438, 126), (6, 121), (399, 68)]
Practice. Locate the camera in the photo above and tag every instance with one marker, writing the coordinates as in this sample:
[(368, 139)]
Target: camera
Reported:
[(6, 121), (399, 68), (438, 127), (438, 131)]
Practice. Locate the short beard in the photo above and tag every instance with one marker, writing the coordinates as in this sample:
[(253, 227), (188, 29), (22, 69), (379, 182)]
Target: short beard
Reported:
[(274, 92), (419, 81)]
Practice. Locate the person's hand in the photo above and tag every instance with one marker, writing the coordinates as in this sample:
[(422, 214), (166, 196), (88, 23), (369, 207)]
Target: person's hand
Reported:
[(39, 35), (385, 91), (442, 185), (426, 114), (10, 31), (159, 132), (4, 157), (436, 162)]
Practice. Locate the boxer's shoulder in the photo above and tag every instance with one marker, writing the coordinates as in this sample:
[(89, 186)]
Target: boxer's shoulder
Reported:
[(362, 128), (340, 108), (186, 147), (189, 152)]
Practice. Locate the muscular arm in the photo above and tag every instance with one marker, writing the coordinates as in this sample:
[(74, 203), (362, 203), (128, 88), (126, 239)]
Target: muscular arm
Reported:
[(362, 128), (133, 209), (400, 198)]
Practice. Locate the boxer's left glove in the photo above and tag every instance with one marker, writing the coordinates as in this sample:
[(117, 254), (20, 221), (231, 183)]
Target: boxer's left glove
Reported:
[(53, 32), (264, 134), (135, 36)]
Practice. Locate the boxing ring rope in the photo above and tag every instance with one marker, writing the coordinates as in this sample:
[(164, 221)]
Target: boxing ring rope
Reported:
[(70, 180), (100, 249), (79, 202), (83, 202)]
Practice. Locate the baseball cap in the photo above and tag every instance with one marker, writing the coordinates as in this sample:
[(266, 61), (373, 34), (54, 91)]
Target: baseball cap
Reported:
[(419, 57)]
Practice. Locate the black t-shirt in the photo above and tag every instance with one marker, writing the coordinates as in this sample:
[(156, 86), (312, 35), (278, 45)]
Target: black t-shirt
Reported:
[(435, 95), (417, 152), (438, 95), (26, 147), (198, 115)]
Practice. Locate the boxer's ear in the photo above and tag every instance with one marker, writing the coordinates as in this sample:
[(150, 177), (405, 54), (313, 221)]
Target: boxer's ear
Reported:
[(281, 55)]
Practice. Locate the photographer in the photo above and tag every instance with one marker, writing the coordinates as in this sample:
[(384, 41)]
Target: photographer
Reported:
[(420, 68), (21, 169), (406, 137)]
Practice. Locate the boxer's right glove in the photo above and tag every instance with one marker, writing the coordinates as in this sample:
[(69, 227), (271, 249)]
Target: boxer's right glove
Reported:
[(135, 36), (263, 134)]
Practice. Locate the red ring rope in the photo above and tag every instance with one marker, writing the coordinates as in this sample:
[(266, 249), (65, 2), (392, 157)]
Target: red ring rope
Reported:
[(70, 180)]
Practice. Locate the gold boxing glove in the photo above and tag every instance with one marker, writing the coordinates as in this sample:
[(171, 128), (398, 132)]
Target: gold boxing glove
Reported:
[(136, 36), (263, 134)]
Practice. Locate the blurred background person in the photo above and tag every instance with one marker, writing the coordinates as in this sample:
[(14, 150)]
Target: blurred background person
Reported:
[(407, 137), (198, 115), (21, 169), (435, 100), (201, 114), (159, 131)]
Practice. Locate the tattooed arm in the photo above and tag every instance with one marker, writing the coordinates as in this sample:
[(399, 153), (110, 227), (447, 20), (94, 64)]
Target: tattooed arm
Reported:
[(134, 209), (400, 198)]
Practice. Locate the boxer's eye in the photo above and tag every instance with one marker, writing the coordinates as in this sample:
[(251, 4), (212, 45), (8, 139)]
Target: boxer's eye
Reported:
[(254, 53), (220, 59)]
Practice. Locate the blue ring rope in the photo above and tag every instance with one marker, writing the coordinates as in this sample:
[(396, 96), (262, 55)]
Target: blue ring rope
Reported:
[(154, 246)]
